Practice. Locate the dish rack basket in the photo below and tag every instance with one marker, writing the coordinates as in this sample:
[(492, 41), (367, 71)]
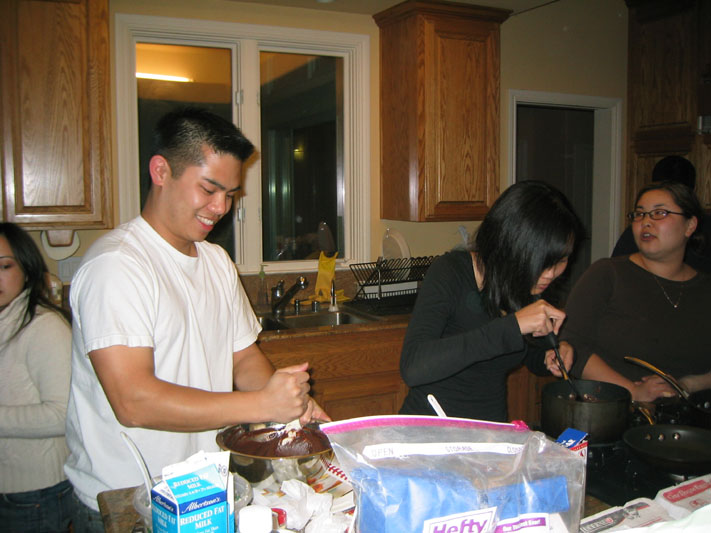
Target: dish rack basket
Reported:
[(388, 278)]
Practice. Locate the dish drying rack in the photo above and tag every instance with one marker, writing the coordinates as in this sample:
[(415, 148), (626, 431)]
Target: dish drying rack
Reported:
[(389, 283)]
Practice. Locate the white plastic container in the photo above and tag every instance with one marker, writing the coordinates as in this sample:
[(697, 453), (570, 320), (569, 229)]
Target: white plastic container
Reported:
[(255, 519)]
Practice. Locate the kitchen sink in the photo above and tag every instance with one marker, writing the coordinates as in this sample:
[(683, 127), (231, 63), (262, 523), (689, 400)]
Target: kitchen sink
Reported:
[(269, 323), (331, 318), (312, 320)]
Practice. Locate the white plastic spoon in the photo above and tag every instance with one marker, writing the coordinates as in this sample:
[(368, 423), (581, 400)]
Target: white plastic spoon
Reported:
[(436, 406), (147, 479)]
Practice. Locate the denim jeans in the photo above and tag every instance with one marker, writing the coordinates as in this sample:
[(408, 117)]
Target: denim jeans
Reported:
[(86, 520), (47, 510)]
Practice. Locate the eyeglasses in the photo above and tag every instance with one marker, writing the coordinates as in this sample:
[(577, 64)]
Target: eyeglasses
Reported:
[(654, 214)]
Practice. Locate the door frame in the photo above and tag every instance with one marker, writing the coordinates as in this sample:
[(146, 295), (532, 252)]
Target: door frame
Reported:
[(607, 159)]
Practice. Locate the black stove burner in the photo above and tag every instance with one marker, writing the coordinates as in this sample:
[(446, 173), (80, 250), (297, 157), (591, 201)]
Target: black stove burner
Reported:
[(615, 475)]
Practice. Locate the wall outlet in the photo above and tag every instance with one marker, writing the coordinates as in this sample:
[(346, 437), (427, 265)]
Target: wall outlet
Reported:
[(67, 267)]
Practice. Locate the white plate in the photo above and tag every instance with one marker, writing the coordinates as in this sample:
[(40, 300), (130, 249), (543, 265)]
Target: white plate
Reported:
[(395, 247)]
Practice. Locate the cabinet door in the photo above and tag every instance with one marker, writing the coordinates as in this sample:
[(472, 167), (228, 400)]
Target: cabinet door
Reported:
[(354, 373), (439, 110), (663, 60), (460, 129), (379, 394), (55, 113)]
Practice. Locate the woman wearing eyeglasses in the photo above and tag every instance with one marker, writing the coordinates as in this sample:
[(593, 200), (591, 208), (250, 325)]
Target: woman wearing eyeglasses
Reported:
[(650, 304)]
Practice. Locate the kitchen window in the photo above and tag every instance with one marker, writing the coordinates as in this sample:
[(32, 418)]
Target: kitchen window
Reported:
[(300, 96)]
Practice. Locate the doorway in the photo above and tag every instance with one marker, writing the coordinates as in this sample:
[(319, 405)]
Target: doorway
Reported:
[(574, 143), (563, 157)]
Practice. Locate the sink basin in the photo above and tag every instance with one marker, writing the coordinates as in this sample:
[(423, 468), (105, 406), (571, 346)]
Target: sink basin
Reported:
[(269, 323), (332, 318), (312, 320)]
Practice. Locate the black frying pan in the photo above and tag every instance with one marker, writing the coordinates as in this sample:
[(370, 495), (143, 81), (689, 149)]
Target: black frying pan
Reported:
[(673, 448)]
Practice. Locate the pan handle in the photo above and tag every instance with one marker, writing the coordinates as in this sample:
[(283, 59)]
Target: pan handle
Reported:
[(666, 377)]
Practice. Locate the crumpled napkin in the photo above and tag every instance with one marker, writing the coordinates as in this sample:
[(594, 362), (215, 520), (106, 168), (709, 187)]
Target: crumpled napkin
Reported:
[(300, 502)]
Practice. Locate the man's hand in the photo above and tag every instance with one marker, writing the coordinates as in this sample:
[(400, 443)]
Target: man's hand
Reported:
[(287, 393), (314, 413)]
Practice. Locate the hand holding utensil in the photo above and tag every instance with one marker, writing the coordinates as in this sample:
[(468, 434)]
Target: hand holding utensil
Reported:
[(553, 340)]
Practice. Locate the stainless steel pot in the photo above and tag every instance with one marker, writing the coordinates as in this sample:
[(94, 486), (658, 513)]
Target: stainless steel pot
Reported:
[(603, 413)]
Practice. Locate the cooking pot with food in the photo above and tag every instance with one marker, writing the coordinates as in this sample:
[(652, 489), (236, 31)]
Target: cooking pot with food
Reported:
[(602, 411), (260, 450)]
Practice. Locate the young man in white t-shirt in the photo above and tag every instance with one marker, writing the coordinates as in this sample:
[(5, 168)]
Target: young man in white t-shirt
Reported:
[(163, 334)]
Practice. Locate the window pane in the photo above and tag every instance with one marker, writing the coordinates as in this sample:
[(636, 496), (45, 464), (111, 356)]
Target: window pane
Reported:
[(209, 85), (301, 106)]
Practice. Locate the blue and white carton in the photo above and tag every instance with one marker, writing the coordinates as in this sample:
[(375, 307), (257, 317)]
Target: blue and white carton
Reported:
[(195, 496)]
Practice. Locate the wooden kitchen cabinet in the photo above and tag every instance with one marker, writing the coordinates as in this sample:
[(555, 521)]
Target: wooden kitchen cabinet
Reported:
[(54, 66), (355, 373), (439, 110), (669, 58)]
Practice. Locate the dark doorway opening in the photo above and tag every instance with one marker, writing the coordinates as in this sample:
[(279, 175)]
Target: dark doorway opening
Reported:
[(555, 144)]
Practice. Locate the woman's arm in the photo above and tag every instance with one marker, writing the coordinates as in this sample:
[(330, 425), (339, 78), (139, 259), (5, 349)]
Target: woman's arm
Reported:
[(449, 304), (48, 340), (585, 305), (696, 382), (646, 390)]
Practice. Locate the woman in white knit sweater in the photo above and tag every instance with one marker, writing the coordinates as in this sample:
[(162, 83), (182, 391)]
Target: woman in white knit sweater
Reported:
[(35, 369)]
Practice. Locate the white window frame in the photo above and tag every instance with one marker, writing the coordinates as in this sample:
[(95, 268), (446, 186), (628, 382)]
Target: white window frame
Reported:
[(246, 41)]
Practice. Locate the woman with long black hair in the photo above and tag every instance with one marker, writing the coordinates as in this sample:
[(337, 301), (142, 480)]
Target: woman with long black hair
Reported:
[(477, 306), (35, 369)]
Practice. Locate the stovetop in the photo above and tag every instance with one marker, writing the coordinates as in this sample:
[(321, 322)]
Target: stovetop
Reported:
[(616, 475)]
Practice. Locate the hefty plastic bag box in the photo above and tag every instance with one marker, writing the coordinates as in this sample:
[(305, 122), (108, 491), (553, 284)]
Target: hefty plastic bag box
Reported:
[(452, 475), (195, 496)]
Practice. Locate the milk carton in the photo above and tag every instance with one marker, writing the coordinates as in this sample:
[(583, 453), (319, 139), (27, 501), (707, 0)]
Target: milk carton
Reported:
[(195, 496)]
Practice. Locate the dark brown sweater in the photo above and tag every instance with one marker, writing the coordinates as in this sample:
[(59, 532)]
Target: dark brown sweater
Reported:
[(617, 309)]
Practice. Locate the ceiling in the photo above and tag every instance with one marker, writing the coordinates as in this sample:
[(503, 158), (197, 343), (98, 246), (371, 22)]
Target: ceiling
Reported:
[(370, 7)]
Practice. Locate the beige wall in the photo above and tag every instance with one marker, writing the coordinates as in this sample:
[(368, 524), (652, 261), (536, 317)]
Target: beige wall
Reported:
[(572, 46)]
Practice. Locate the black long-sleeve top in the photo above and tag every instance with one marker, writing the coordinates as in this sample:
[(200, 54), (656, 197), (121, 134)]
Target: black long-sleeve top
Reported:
[(456, 351)]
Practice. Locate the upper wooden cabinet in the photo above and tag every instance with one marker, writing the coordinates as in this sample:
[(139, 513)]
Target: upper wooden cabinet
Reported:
[(669, 60), (54, 67), (439, 110)]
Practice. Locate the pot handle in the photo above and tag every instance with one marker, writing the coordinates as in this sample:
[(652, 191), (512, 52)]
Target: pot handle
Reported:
[(645, 411)]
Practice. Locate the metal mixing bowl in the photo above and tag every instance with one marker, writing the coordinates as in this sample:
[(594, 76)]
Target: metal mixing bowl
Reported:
[(255, 467)]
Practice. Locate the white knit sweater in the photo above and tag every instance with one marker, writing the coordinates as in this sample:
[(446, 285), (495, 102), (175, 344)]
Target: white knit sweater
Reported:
[(35, 369)]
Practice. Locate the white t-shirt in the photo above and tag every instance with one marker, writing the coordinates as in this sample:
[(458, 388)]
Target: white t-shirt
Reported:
[(134, 289)]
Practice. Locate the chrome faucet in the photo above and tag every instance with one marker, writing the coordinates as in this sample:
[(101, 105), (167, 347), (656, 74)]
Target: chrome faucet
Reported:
[(334, 300), (280, 298)]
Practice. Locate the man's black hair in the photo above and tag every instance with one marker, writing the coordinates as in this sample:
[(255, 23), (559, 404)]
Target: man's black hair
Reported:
[(180, 136)]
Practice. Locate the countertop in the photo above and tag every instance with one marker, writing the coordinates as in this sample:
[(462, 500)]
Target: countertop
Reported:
[(116, 507), (381, 323)]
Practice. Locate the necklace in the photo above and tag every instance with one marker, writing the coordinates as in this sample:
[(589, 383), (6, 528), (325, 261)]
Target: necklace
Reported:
[(678, 300)]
